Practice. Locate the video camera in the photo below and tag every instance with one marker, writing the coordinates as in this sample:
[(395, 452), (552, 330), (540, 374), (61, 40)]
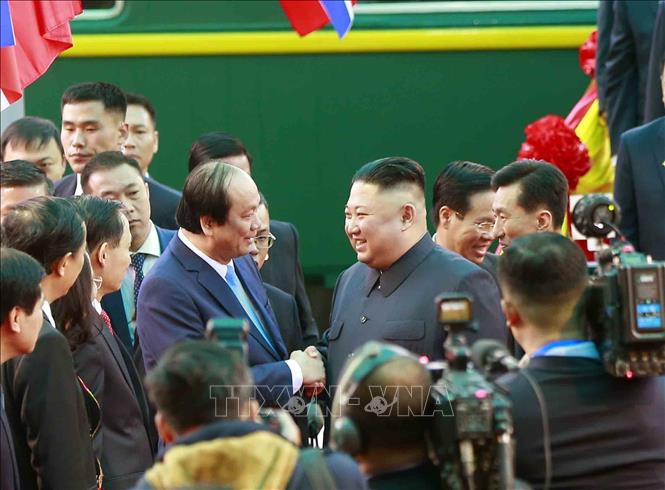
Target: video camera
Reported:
[(473, 445), (626, 296)]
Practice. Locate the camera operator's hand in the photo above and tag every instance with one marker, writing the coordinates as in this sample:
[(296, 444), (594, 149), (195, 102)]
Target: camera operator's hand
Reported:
[(313, 372)]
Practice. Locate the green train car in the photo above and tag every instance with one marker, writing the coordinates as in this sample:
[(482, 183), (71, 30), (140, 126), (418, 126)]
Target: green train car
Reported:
[(433, 80)]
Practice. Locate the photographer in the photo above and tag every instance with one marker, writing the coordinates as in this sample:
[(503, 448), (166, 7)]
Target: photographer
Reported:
[(206, 416), (380, 417), (576, 426)]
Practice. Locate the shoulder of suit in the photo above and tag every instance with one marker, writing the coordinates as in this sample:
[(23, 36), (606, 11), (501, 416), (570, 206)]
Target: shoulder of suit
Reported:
[(275, 293), (452, 262), (644, 131), (163, 188)]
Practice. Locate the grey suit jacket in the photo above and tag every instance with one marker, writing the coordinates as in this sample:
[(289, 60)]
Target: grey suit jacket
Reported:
[(639, 187), (124, 428), (397, 305)]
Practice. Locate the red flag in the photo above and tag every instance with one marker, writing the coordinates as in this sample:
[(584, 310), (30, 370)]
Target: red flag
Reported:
[(305, 16), (41, 33)]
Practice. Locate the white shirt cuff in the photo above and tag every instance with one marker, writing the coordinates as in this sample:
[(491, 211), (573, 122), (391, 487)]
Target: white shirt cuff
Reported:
[(296, 375)]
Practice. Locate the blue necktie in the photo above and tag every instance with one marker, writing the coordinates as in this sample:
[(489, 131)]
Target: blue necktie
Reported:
[(138, 259), (246, 303)]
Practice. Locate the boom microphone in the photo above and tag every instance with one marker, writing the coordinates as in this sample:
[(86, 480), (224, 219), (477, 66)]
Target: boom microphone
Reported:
[(492, 357)]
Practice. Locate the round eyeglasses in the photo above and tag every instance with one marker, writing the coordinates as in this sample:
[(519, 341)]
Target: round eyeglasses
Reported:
[(264, 242)]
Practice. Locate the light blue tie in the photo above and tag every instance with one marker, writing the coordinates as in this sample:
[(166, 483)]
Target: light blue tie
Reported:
[(234, 283)]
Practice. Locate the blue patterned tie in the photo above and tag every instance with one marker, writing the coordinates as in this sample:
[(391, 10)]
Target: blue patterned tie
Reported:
[(246, 303), (138, 259)]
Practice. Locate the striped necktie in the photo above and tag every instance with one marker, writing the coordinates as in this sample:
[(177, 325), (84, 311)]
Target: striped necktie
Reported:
[(138, 259)]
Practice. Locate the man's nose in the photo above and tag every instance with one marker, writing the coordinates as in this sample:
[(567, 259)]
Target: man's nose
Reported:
[(497, 231), (78, 139), (129, 142)]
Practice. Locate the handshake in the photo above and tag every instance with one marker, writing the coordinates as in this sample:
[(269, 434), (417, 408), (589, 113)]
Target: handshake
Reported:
[(313, 370)]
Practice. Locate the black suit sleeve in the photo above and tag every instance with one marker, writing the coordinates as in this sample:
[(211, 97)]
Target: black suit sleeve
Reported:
[(310, 332), (52, 411), (605, 18), (654, 107), (486, 306), (624, 193)]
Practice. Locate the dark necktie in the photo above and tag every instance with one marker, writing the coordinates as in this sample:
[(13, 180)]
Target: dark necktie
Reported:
[(138, 259)]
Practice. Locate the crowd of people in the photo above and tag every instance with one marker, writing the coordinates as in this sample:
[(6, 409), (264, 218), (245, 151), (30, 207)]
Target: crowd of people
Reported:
[(109, 280)]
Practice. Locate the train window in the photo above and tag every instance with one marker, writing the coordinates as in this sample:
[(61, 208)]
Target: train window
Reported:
[(462, 6), (101, 9)]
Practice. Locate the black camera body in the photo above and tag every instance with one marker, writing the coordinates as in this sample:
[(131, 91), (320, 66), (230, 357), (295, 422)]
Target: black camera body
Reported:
[(626, 297), (471, 430)]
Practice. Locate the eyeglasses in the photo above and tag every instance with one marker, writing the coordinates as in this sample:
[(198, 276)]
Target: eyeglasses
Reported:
[(483, 226), (264, 242)]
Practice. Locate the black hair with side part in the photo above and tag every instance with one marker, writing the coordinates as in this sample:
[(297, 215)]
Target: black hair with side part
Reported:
[(540, 184), (103, 221), (391, 172), (143, 101), (21, 173), (20, 276), (196, 383), (111, 96), (46, 228), (30, 133), (543, 268), (206, 193), (455, 185), (105, 161), (216, 146)]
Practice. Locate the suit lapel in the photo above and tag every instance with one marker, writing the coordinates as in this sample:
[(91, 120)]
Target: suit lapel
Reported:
[(114, 307), (217, 287), (658, 148), (112, 342)]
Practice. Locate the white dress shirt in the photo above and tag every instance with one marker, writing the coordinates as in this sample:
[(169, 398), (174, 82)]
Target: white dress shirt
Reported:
[(46, 308), (296, 372)]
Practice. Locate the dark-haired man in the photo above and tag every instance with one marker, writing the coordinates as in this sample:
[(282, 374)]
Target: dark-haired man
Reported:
[(603, 432), (207, 272), (36, 140), (284, 271), (20, 321), (42, 397), (142, 141), (215, 440), (462, 212), (93, 121), (531, 196), (20, 180), (389, 293), (112, 175)]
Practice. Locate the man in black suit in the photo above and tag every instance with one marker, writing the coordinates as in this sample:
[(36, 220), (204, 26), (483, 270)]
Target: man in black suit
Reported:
[(20, 321), (43, 401), (639, 185), (142, 144), (284, 271), (625, 31), (112, 175), (93, 121), (654, 109), (603, 432), (389, 293)]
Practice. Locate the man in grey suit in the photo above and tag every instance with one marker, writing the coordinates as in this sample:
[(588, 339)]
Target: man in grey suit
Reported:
[(639, 185), (389, 293)]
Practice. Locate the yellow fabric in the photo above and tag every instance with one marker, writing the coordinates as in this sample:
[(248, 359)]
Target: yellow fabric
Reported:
[(259, 460), (592, 131)]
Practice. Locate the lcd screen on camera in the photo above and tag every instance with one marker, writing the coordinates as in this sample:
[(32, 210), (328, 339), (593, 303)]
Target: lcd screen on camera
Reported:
[(649, 317)]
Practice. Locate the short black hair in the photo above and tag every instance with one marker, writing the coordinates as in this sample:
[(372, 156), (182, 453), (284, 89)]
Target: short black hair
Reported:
[(105, 161), (103, 220), (216, 146), (21, 173), (391, 172), (193, 380), (540, 183), (30, 132), (20, 276), (455, 185), (206, 193), (143, 101), (111, 96), (46, 228), (542, 268)]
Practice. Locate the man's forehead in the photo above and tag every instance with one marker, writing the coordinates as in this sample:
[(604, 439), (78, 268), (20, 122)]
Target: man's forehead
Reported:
[(137, 115), (119, 177), (91, 110), (506, 196)]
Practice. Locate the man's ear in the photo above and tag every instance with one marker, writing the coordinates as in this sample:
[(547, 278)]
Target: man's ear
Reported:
[(445, 215), (147, 190), (164, 429), (544, 221), (513, 317), (13, 319), (100, 255), (156, 141), (61, 264), (123, 131), (408, 215), (207, 224)]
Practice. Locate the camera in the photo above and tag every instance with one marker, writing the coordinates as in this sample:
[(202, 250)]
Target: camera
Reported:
[(472, 425), (625, 297)]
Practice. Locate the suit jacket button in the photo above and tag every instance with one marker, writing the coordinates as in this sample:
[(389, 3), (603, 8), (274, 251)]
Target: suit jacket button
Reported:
[(363, 319)]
